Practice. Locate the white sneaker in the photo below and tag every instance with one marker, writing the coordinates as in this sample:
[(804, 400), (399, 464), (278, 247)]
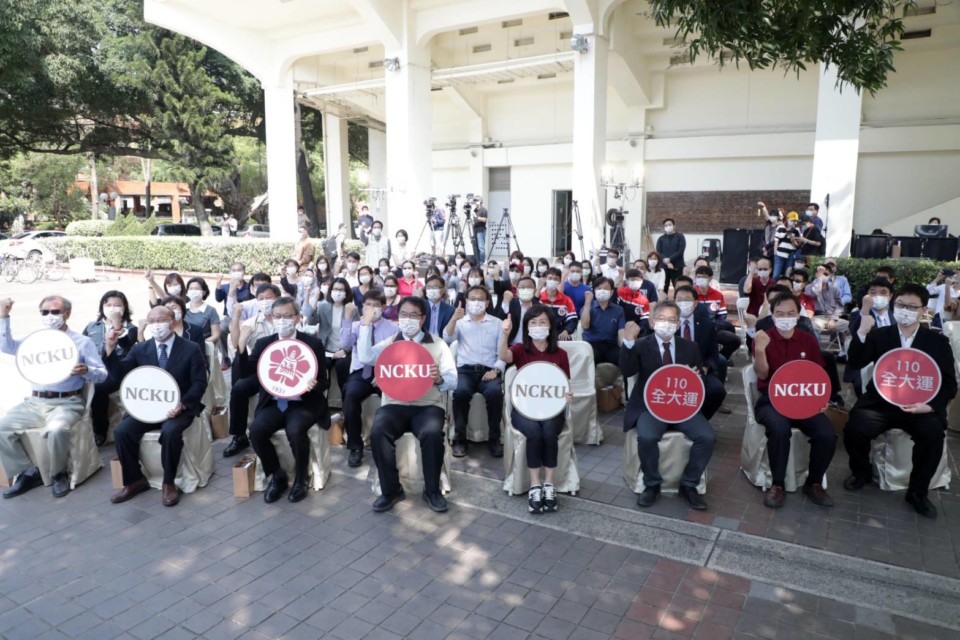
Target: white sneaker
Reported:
[(549, 498), (535, 499)]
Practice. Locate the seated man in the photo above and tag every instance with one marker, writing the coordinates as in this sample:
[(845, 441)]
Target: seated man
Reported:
[(872, 415), (875, 304), (184, 361), (636, 306), (561, 304), (771, 350), (439, 311), (360, 385), (800, 279), (296, 416), (712, 298), (479, 368), (603, 322), (828, 304), (696, 325), (575, 288), (424, 417), (645, 356), (53, 408)]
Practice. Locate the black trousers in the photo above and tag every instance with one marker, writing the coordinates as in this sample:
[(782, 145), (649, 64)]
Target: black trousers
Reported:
[(728, 341), (649, 433), (542, 438), (296, 422), (129, 433), (426, 424), (714, 396), (355, 391), (927, 431), (830, 366), (240, 394), (342, 367), (606, 353), (100, 405), (823, 441), (470, 381)]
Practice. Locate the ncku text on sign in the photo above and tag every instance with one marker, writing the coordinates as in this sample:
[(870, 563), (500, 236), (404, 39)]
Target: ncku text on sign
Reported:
[(47, 357), (402, 371), (539, 389), (799, 389), (149, 394)]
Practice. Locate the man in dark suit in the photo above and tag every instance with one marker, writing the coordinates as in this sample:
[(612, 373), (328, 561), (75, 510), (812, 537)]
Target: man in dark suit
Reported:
[(644, 357), (296, 416), (439, 311), (184, 361), (697, 325), (872, 415), (516, 307), (876, 304)]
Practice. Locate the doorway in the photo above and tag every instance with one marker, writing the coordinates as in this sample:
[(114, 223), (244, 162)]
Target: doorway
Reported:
[(562, 223)]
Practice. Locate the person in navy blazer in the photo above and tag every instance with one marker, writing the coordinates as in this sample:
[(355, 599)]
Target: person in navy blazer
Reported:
[(439, 311), (185, 363), (704, 333), (875, 303), (296, 416)]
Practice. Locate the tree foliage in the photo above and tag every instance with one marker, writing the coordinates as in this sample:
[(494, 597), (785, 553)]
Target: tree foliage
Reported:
[(859, 37)]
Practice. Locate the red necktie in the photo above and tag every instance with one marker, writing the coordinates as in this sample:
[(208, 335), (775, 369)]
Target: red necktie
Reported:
[(686, 330), (667, 358)]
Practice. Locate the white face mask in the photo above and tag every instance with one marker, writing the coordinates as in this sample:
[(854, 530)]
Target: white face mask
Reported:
[(785, 324), (653, 262), (111, 311), (51, 321), (306, 281), (474, 282), (635, 285), (553, 285), (408, 273), (174, 290), (265, 306), (668, 228), (376, 233), (525, 294), (193, 295), (352, 267), (567, 261), (291, 271), (285, 327), (904, 317), (476, 307), (574, 277), (177, 315), (338, 296), (364, 279), (384, 270), (323, 267), (602, 295), (703, 283), (409, 327), (611, 261), (238, 275), (514, 276), (159, 331), (538, 333), (464, 271), (389, 291), (798, 286), (686, 307), (664, 329), (763, 273), (433, 294), (799, 265), (526, 269), (880, 302)]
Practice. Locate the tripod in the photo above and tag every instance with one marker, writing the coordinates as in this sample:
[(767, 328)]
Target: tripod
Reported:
[(510, 235), (428, 229), (618, 235), (454, 230), (578, 229)]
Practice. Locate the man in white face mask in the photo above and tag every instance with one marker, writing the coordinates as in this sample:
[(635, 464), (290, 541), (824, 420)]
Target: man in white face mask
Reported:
[(876, 304), (771, 350), (872, 415), (644, 357), (424, 418), (377, 244), (439, 311), (671, 246), (183, 360), (603, 323), (54, 409), (479, 368), (296, 416)]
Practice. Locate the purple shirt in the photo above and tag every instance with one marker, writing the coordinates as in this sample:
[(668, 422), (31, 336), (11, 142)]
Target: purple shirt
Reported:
[(349, 332)]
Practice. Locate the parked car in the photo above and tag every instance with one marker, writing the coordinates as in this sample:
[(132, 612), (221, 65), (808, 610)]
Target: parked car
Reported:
[(254, 231), (26, 245), (216, 229), (176, 229)]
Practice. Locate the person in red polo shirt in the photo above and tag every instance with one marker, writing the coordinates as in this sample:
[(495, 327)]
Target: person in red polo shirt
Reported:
[(636, 306), (755, 287), (561, 304)]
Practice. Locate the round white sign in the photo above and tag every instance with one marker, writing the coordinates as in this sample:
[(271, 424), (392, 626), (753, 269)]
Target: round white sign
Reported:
[(149, 394), (47, 357), (538, 390), (286, 367)]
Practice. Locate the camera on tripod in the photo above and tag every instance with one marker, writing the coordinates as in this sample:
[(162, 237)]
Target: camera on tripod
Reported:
[(615, 216), (468, 204), (431, 205), (452, 201)]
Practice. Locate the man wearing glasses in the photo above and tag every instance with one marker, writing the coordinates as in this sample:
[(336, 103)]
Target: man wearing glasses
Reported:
[(872, 415), (424, 417), (54, 408)]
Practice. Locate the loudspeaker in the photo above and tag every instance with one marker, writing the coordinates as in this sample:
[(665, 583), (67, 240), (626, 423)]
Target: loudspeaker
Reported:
[(940, 249), (909, 247), (871, 247), (736, 249)]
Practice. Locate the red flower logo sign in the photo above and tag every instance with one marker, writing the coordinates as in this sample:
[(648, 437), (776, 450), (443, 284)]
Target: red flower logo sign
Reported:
[(286, 367)]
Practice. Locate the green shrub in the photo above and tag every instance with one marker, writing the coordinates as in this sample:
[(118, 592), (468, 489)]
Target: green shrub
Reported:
[(148, 225), (88, 227), (119, 226), (860, 271)]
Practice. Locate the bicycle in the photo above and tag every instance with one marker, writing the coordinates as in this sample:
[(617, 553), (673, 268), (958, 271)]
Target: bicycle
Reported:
[(23, 270), (50, 270)]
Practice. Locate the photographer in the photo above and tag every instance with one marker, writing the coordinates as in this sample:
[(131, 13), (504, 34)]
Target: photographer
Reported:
[(437, 220), (480, 228)]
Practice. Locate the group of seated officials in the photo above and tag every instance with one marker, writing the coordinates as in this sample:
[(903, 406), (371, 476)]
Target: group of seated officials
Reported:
[(499, 315)]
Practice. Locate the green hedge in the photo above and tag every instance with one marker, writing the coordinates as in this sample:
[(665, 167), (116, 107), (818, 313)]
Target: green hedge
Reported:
[(860, 271), (88, 228), (201, 255)]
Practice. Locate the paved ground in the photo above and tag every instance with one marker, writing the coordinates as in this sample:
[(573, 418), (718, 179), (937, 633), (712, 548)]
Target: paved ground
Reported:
[(221, 567)]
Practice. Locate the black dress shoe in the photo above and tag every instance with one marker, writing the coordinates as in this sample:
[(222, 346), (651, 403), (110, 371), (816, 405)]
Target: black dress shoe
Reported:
[(459, 448), (921, 504), (237, 444), (435, 501), (275, 488), (356, 458), (693, 498), (29, 479), (297, 492), (649, 496), (100, 439), (61, 485), (385, 503), (496, 450), (855, 483)]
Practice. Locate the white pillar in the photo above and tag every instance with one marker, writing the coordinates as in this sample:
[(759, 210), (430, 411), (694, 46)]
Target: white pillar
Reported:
[(835, 156), (336, 166), (409, 139), (281, 161), (589, 138), (377, 170)]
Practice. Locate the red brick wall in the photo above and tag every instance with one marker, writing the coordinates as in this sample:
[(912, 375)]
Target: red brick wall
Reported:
[(714, 211)]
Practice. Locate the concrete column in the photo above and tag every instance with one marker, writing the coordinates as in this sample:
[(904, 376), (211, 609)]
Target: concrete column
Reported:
[(336, 166), (409, 110), (835, 156), (377, 170), (589, 138), (281, 161)]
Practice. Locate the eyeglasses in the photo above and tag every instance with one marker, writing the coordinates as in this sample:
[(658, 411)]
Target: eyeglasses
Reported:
[(908, 307), (286, 316), (410, 316), (46, 312)]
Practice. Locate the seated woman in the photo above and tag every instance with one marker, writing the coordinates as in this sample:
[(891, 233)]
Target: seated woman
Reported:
[(309, 293), (199, 312), (383, 270), (172, 286), (114, 317), (391, 287), (365, 280), (409, 285), (290, 277), (539, 345)]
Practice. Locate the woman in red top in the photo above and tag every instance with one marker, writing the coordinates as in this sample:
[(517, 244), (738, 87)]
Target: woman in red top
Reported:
[(539, 345), (408, 283), (783, 344)]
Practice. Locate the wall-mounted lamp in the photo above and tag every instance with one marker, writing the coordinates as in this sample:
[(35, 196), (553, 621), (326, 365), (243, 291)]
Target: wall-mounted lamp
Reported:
[(391, 64), (579, 43)]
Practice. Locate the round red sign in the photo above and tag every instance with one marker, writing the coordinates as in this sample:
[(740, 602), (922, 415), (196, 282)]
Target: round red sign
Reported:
[(800, 389), (906, 376), (403, 371), (286, 367), (674, 393)]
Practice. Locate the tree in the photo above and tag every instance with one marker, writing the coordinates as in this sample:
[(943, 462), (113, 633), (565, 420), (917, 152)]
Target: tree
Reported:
[(859, 37), (44, 185)]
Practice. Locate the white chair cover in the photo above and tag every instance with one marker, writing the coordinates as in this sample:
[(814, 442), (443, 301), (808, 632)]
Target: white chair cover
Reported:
[(334, 399), (368, 411), (753, 452), (320, 465), (674, 454), (566, 477), (583, 410), (196, 463), (892, 456), (83, 460), (952, 331), (478, 430), (410, 467), (217, 392)]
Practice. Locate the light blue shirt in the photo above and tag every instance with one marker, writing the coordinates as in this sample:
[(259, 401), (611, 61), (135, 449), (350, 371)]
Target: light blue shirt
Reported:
[(843, 285), (478, 342), (368, 354), (88, 355)]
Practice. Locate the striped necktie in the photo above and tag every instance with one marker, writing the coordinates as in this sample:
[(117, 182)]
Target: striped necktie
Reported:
[(162, 358)]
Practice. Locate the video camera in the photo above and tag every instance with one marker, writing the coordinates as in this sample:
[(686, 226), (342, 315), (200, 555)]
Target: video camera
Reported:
[(431, 205), (615, 216)]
